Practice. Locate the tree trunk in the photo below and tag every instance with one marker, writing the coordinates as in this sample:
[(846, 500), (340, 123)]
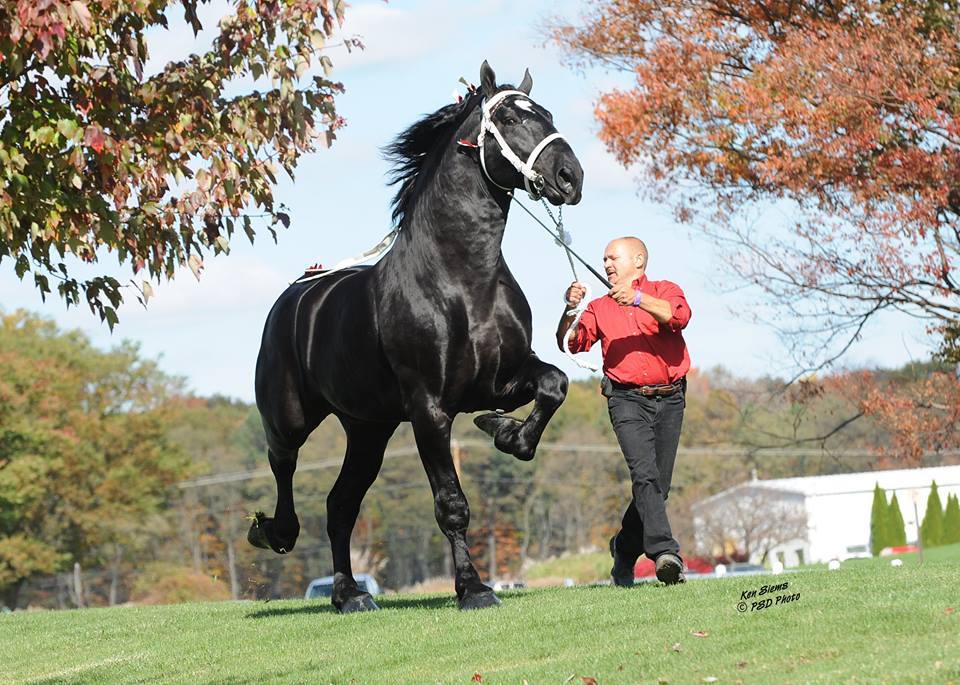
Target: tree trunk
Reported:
[(10, 594), (77, 586), (115, 574), (492, 542), (232, 569)]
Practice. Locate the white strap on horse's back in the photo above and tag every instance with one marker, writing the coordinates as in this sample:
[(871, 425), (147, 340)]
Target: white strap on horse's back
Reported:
[(375, 251)]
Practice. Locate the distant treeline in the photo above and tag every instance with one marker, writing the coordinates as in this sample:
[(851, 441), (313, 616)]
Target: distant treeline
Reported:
[(117, 485)]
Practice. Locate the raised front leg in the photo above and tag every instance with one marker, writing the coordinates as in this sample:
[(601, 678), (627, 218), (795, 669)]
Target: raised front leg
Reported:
[(431, 426), (536, 380)]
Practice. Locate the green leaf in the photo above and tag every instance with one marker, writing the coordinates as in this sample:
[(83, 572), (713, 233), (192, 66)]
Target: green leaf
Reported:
[(111, 316), (67, 128), (22, 266)]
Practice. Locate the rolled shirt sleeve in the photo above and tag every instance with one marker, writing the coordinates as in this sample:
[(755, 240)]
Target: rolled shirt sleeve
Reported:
[(587, 332), (681, 313)]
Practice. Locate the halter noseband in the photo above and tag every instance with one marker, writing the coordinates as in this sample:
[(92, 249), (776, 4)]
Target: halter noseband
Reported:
[(525, 168)]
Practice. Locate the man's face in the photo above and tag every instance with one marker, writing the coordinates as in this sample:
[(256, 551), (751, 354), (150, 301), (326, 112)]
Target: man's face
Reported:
[(620, 262)]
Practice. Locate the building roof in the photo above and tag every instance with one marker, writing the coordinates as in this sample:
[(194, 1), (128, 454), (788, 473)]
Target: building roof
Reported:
[(898, 480)]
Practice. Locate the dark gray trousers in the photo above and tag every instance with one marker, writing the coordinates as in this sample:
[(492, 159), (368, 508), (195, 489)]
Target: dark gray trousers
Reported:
[(648, 429)]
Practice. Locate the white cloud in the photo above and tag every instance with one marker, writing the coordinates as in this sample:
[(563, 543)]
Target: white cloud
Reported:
[(391, 34), (238, 283)]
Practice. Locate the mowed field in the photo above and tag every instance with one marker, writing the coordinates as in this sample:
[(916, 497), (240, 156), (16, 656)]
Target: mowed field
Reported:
[(865, 623)]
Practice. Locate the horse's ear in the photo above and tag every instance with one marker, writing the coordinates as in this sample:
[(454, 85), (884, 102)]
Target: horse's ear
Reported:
[(488, 80), (526, 85)]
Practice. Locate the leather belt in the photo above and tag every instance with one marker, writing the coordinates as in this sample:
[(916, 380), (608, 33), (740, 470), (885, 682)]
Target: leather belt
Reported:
[(651, 390)]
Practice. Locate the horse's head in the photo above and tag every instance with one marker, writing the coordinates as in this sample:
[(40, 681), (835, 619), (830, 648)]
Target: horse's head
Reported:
[(519, 146)]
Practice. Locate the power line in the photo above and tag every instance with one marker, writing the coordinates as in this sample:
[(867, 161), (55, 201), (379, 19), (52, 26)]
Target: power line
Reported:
[(596, 448)]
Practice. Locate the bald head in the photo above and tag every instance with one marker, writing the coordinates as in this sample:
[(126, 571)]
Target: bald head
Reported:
[(625, 258)]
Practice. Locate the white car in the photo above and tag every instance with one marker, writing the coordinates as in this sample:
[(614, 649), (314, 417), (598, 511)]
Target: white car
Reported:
[(323, 587)]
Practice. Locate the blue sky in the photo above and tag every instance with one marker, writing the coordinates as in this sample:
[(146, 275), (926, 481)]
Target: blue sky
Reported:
[(415, 52)]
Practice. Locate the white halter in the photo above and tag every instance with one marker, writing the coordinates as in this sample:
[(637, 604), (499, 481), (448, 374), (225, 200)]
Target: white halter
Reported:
[(525, 168)]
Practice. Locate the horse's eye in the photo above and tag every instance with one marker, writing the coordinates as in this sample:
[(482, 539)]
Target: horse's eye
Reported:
[(510, 120)]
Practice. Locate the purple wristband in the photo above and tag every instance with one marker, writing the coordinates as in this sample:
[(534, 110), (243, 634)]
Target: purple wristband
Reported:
[(636, 298)]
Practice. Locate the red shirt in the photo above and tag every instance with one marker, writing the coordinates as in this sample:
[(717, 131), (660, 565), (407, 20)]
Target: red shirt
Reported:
[(637, 350)]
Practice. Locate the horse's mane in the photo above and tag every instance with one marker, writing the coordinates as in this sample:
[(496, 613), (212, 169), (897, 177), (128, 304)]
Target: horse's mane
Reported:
[(410, 152)]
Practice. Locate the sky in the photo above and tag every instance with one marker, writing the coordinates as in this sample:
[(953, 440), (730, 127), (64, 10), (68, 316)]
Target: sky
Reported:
[(209, 331)]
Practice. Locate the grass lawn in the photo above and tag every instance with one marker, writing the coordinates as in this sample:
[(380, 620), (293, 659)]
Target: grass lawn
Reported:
[(866, 623)]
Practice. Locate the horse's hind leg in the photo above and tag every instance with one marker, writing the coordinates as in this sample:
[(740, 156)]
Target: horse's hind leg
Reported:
[(536, 380), (366, 442)]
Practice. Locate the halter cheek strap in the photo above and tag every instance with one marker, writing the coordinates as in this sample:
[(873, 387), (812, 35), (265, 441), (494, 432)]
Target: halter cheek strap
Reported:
[(532, 180)]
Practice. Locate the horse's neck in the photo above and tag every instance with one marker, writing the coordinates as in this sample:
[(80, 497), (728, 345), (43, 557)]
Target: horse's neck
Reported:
[(458, 224)]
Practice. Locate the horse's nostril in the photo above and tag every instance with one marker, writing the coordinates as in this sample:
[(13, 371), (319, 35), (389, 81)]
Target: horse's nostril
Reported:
[(565, 178)]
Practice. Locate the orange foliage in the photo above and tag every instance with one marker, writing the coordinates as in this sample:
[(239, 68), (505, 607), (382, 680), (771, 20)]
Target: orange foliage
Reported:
[(922, 416), (846, 110)]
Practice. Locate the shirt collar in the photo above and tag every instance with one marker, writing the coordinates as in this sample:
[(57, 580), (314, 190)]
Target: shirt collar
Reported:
[(639, 282)]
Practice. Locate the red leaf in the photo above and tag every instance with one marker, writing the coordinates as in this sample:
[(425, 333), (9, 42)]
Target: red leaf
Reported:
[(81, 13), (94, 138), (588, 680), (477, 678), (699, 633)]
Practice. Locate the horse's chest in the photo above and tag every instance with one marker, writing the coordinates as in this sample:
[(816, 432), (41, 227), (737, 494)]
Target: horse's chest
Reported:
[(499, 343)]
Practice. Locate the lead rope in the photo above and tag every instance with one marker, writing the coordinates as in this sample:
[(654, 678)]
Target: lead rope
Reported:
[(563, 238)]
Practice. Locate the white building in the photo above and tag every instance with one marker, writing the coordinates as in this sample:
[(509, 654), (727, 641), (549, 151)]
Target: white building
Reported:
[(815, 518)]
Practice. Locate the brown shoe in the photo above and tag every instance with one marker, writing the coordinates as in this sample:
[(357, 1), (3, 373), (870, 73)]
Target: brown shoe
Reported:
[(670, 569)]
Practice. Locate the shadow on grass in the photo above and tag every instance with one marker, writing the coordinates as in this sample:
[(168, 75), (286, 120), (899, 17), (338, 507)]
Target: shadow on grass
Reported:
[(273, 612), (434, 602), (385, 602)]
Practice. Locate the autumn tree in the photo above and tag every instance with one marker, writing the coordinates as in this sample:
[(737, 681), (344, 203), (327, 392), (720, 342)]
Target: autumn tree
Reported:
[(84, 458), (840, 116), (921, 414), (99, 157), (753, 519)]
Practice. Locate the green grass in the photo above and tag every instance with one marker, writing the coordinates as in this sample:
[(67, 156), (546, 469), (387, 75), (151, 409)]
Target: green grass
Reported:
[(866, 623), (583, 568)]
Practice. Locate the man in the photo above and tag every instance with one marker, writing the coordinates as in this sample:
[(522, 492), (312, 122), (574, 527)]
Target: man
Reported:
[(645, 360)]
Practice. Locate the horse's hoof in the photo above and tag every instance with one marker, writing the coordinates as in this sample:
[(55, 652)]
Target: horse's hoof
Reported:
[(491, 422), (505, 431), (262, 535), (478, 600), (361, 602)]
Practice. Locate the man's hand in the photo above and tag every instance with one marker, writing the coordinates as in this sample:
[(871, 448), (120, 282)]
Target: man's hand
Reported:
[(575, 293), (623, 293)]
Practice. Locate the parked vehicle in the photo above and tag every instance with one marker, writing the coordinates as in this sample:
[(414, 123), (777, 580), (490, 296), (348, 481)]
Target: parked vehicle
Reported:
[(323, 587)]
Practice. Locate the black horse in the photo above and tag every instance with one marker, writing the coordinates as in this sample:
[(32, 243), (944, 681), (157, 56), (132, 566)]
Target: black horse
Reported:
[(437, 327)]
